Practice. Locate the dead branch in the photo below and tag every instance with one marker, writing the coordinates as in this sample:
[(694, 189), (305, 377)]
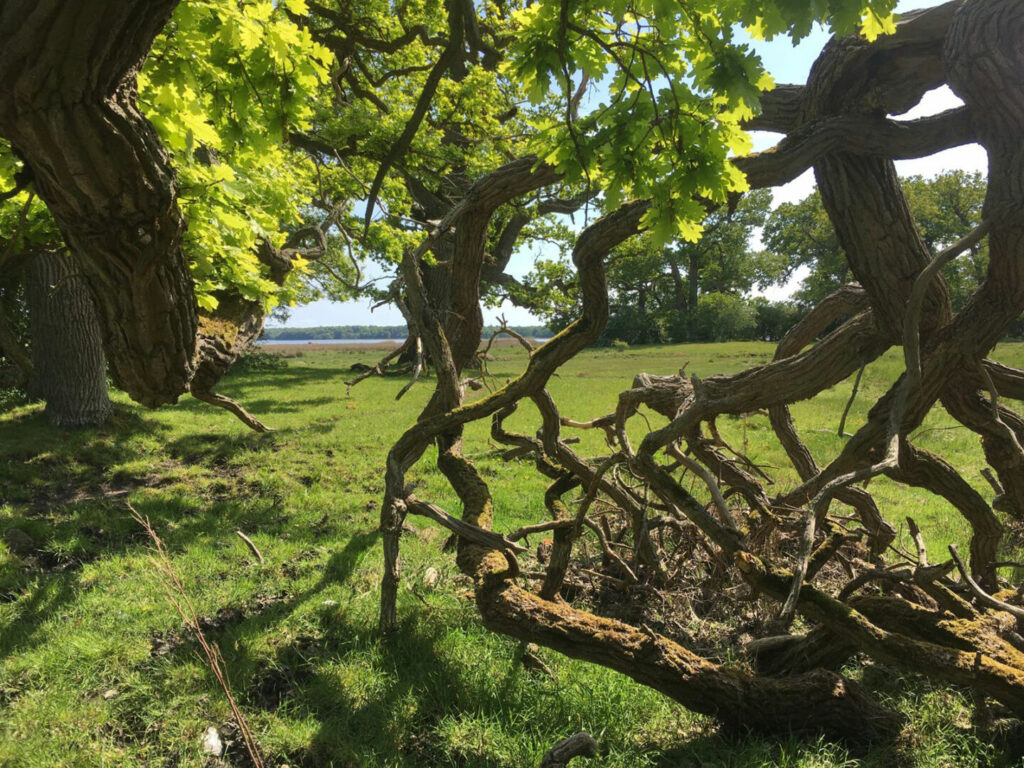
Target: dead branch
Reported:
[(577, 745), (221, 401), (461, 528), (252, 547), (178, 597), (983, 597)]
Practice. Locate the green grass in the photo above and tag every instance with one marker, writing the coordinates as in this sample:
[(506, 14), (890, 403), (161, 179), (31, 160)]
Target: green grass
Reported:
[(83, 614)]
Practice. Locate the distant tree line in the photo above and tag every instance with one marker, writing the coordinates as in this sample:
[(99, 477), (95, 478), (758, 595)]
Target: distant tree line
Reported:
[(328, 332), (700, 292), (683, 292), (397, 332)]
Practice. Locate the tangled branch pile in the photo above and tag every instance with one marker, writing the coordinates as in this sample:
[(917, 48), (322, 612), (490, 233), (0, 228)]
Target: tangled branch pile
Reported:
[(791, 549)]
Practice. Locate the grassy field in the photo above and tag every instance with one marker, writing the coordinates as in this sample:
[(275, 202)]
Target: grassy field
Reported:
[(96, 668)]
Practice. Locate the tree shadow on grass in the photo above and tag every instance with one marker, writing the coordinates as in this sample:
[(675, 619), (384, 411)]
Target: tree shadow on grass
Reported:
[(249, 622), (58, 490), (355, 722), (292, 376), (215, 449), (377, 700), (343, 562), (67, 507), (43, 602), (271, 406), (45, 580), (358, 728), (362, 690), (30, 435), (724, 750), (957, 745), (264, 407)]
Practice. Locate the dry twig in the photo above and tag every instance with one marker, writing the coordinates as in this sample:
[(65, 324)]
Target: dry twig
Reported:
[(174, 588)]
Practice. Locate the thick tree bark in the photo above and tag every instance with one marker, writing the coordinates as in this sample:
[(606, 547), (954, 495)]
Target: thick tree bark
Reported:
[(814, 702), (68, 104), (69, 368)]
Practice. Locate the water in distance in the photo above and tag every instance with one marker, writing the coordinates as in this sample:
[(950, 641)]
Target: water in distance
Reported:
[(272, 342)]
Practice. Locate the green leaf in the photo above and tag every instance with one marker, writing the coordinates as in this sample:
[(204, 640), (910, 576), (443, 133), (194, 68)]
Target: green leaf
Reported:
[(874, 25)]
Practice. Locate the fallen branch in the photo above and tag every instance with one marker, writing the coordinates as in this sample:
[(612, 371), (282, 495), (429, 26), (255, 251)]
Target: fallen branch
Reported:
[(252, 547), (577, 745), (467, 531), (983, 597), (234, 407)]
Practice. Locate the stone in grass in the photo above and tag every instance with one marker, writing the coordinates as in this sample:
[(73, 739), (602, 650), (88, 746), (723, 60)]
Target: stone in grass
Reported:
[(212, 745), (430, 577)]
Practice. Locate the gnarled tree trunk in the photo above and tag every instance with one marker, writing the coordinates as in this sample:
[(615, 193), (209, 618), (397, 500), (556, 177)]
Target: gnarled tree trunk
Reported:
[(68, 105)]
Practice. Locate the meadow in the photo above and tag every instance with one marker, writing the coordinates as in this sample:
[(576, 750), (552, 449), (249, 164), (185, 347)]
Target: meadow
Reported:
[(96, 668)]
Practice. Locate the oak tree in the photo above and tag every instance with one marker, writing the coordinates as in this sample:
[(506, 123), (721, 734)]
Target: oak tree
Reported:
[(453, 181), (945, 208), (682, 90)]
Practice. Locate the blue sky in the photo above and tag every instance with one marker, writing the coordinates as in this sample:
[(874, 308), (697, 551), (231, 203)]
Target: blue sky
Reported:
[(788, 64)]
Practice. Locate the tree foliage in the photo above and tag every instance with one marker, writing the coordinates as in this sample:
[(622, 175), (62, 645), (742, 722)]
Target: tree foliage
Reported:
[(680, 81), (623, 100), (224, 86), (671, 292), (945, 208)]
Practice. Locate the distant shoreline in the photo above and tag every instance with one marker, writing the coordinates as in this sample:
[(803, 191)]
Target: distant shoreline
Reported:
[(290, 348), (370, 334), (333, 342)]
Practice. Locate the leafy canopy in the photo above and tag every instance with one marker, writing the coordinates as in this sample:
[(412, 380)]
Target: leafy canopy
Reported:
[(276, 112), (627, 98), (223, 85), (672, 82)]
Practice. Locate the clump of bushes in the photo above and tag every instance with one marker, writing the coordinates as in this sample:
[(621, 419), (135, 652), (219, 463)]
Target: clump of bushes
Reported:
[(11, 398), (257, 360)]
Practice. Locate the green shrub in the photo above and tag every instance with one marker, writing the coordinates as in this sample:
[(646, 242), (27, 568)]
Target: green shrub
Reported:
[(258, 360), (11, 398), (724, 317)]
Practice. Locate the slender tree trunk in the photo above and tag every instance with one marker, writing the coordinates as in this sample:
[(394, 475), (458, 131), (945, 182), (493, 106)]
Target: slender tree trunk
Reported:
[(679, 301), (67, 350), (693, 278), (678, 289)]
